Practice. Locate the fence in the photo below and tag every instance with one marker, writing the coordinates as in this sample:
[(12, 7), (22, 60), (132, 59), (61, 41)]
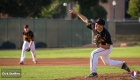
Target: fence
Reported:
[(61, 33), (128, 31), (128, 28), (48, 33)]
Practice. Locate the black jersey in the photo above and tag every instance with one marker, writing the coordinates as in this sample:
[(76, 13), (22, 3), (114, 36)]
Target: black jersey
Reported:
[(105, 35), (28, 36)]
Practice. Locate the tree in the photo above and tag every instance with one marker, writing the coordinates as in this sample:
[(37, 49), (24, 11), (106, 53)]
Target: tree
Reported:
[(50, 8), (92, 9), (55, 10), (93, 12), (134, 8), (89, 8), (23, 8)]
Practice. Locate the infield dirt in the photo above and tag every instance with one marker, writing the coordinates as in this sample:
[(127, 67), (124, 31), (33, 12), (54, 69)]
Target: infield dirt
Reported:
[(75, 62)]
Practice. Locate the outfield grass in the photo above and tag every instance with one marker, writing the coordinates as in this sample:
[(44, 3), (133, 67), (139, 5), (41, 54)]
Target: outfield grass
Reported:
[(55, 72), (120, 52)]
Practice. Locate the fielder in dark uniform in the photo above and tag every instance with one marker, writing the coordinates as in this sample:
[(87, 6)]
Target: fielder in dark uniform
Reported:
[(103, 43), (28, 44)]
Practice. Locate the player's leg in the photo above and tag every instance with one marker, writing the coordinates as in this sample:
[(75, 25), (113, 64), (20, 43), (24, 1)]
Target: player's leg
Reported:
[(94, 57), (33, 52), (23, 53), (106, 60), (94, 61), (121, 64)]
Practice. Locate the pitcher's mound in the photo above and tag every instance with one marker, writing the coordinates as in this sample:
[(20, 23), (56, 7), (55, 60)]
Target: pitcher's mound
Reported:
[(111, 76)]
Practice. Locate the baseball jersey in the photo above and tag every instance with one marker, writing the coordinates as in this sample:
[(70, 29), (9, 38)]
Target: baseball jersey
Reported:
[(28, 36), (105, 35)]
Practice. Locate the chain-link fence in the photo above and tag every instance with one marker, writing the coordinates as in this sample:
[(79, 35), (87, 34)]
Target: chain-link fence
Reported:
[(61, 33), (48, 33)]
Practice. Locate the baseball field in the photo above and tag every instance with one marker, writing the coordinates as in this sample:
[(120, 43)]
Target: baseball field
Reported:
[(69, 64)]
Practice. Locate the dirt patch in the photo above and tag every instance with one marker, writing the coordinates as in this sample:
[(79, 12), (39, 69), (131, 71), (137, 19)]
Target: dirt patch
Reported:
[(114, 76), (62, 61)]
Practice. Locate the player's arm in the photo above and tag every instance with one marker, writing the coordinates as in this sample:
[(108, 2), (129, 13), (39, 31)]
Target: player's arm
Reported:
[(31, 39), (89, 23), (30, 43), (108, 42), (82, 17), (28, 49)]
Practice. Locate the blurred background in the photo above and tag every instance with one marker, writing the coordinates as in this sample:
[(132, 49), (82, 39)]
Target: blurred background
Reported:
[(54, 26)]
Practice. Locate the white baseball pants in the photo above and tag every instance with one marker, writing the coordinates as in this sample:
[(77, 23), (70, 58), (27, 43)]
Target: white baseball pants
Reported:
[(32, 50), (104, 55)]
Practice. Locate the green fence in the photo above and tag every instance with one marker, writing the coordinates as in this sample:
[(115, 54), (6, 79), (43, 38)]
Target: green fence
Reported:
[(48, 33)]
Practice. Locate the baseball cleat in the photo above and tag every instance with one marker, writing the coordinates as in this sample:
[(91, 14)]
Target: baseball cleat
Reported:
[(125, 67), (92, 75), (21, 62), (35, 61)]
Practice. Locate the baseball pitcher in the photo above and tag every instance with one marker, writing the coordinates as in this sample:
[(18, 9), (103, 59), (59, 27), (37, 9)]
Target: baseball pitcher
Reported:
[(28, 44), (104, 44)]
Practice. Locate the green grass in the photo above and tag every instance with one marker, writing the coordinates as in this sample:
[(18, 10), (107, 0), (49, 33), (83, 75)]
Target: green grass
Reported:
[(126, 52), (57, 72), (121, 52)]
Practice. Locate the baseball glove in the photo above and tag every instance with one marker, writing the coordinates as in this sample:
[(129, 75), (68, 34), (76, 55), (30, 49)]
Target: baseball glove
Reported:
[(97, 39), (28, 49)]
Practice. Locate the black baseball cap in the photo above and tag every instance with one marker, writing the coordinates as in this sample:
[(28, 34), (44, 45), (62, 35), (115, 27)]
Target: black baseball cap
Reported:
[(100, 21), (26, 26)]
